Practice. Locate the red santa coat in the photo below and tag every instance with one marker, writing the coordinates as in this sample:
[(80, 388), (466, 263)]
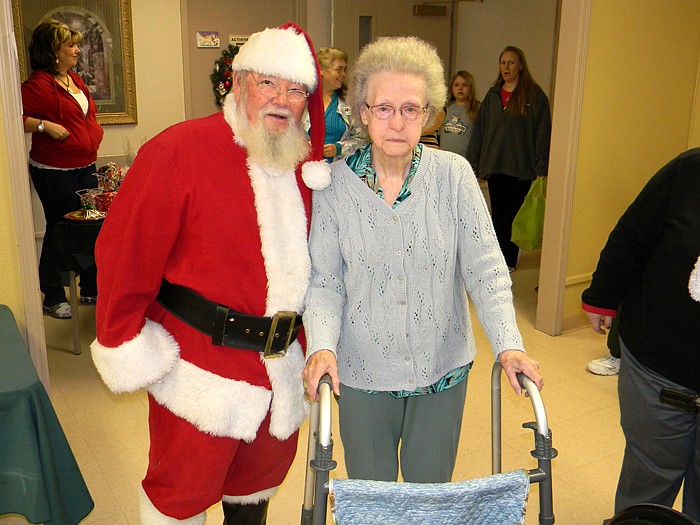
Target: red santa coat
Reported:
[(194, 210)]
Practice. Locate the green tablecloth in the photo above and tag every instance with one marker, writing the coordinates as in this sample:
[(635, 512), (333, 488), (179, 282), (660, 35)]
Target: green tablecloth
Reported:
[(77, 237), (39, 477)]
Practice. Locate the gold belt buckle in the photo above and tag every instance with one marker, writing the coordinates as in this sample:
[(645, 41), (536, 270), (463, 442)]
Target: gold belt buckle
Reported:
[(292, 316)]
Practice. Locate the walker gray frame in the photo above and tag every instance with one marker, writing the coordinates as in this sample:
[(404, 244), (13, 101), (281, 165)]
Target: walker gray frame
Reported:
[(320, 449)]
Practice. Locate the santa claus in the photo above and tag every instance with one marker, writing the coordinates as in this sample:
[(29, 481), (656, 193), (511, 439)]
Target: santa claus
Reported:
[(203, 266)]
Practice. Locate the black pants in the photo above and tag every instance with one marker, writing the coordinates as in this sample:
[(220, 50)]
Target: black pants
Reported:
[(507, 195), (56, 190), (662, 449)]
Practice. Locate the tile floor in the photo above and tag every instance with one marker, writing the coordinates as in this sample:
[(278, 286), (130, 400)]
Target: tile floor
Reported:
[(109, 437)]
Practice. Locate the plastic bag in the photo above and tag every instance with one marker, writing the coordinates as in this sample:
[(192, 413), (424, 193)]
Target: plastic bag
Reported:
[(529, 222)]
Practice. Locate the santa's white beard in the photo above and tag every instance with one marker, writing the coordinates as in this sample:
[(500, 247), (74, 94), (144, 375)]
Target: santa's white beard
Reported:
[(280, 150)]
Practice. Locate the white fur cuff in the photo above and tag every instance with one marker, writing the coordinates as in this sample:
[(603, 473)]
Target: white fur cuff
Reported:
[(138, 363), (251, 499), (289, 406), (694, 283), (316, 174)]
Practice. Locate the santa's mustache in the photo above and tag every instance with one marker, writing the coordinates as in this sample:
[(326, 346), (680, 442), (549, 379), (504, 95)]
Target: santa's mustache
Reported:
[(281, 112)]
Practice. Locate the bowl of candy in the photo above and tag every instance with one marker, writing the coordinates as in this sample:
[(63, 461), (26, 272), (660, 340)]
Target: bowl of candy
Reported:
[(109, 177), (104, 200), (88, 210), (87, 198), (95, 202)]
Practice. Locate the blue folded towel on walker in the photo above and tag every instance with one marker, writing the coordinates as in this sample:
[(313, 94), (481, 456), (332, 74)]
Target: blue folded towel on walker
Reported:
[(494, 500)]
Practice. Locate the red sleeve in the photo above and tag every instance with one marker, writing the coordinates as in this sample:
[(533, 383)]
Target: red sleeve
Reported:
[(596, 310), (134, 245), (32, 96)]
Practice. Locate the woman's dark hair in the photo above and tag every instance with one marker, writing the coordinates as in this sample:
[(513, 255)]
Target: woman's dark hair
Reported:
[(47, 39), (525, 92)]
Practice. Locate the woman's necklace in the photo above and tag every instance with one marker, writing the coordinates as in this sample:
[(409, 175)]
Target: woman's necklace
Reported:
[(65, 82)]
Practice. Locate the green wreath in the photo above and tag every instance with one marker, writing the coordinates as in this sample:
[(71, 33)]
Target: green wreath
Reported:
[(221, 77)]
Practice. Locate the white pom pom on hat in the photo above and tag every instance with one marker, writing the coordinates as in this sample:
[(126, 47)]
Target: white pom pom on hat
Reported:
[(287, 52), (316, 174)]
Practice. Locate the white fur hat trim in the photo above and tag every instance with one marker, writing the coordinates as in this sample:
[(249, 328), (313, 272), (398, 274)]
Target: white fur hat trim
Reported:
[(316, 174), (694, 283), (280, 53)]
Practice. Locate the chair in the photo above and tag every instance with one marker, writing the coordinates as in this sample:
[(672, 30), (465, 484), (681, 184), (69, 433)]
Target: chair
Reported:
[(77, 241)]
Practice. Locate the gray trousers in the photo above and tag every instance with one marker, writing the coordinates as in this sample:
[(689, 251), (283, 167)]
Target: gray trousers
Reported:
[(372, 426), (662, 442)]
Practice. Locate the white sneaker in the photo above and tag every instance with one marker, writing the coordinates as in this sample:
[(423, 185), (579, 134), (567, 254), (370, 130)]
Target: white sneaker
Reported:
[(59, 311), (605, 366)]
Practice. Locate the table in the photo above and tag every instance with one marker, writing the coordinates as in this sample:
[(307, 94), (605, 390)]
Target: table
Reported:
[(76, 238), (39, 477)]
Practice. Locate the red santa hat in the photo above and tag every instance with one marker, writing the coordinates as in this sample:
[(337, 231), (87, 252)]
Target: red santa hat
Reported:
[(287, 52)]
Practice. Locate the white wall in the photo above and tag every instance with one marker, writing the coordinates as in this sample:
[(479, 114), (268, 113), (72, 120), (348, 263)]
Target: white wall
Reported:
[(318, 22), (159, 74), (159, 86), (389, 18), (485, 28), (242, 17)]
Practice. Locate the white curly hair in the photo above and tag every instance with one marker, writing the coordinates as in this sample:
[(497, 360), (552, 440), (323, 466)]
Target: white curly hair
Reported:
[(399, 54)]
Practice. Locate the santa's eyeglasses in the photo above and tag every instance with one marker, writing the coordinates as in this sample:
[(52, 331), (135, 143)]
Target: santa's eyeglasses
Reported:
[(270, 89)]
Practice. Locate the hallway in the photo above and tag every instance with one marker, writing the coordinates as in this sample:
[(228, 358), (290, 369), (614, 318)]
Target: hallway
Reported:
[(109, 437)]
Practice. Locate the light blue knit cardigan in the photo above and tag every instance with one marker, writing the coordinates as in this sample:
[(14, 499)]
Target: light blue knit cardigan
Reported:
[(388, 290)]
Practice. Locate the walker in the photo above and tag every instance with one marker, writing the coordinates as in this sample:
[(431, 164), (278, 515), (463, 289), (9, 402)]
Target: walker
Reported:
[(498, 499)]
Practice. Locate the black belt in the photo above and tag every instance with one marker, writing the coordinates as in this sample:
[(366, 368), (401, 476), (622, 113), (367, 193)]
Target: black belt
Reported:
[(268, 335), (678, 399)]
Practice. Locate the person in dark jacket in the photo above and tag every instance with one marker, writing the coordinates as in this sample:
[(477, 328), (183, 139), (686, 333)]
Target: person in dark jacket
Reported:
[(649, 263), (61, 115), (510, 143)]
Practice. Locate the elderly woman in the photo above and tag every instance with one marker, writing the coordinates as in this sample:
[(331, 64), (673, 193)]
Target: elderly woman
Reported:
[(398, 240)]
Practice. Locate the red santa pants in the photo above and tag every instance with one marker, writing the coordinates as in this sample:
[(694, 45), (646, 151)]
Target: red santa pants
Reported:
[(189, 471)]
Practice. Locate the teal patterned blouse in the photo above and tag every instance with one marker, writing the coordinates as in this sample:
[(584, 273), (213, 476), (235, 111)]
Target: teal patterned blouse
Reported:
[(361, 163)]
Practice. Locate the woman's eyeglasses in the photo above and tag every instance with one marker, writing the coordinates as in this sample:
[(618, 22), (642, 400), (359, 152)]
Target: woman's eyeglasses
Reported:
[(341, 69), (386, 111)]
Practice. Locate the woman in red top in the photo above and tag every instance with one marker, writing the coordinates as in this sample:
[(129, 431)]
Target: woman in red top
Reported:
[(61, 116), (509, 146)]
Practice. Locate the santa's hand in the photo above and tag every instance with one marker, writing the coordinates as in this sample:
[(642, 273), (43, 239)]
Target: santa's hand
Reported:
[(514, 362), (320, 363)]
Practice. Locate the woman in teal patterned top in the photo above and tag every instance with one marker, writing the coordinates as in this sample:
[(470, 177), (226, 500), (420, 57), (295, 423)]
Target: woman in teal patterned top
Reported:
[(398, 240), (342, 137)]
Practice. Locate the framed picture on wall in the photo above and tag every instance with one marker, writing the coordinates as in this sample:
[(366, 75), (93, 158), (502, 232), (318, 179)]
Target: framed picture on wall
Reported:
[(106, 62), (208, 39)]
